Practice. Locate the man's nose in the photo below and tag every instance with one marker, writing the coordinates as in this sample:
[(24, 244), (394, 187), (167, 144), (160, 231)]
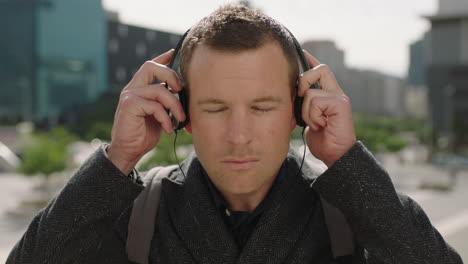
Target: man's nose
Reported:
[(240, 128)]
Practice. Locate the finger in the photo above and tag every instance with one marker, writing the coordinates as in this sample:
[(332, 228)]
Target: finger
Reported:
[(324, 109), (321, 74), (160, 94), (309, 95), (314, 111), (164, 58), (160, 114), (144, 108), (313, 62), (151, 70)]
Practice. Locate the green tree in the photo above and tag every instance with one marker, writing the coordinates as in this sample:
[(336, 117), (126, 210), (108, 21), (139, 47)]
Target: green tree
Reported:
[(164, 151), (99, 129), (48, 152)]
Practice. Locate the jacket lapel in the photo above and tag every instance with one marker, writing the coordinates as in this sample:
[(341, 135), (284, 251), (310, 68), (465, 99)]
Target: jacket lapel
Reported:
[(196, 219)]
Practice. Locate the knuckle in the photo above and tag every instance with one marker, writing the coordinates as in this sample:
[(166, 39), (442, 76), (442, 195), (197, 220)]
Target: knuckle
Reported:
[(158, 108), (314, 100), (345, 99), (326, 71), (148, 64), (127, 99), (324, 67), (308, 93), (125, 93), (331, 74), (171, 74), (162, 117)]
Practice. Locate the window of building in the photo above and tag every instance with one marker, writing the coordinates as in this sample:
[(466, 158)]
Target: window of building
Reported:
[(120, 74), (122, 30), (151, 35), (113, 46), (140, 49)]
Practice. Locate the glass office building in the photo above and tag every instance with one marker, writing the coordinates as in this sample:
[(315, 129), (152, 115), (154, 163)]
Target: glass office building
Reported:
[(53, 57)]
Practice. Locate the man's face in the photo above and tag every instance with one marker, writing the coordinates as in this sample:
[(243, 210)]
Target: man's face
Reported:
[(241, 115)]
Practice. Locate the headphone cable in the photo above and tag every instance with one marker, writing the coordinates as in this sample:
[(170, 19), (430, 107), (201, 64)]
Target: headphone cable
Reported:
[(185, 178)]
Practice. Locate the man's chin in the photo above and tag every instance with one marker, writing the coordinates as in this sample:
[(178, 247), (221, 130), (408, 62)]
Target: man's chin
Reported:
[(243, 188)]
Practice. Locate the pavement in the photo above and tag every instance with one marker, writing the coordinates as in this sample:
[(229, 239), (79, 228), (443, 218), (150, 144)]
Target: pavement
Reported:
[(443, 198)]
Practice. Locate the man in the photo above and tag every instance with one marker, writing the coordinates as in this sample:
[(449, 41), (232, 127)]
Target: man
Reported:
[(243, 199)]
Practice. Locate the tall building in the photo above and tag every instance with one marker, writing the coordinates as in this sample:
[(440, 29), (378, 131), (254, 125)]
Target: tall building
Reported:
[(371, 92), (326, 51), (419, 54), (16, 55), (61, 56), (128, 47), (374, 93), (417, 94), (53, 57), (447, 72)]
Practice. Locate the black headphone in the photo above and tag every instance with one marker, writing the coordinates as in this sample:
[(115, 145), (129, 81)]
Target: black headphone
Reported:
[(183, 97)]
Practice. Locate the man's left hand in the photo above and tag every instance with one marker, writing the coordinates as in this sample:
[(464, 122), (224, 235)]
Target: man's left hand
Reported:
[(327, 112)]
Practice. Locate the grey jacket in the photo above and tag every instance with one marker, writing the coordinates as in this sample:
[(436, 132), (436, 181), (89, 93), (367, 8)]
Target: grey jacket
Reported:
[(87, 222)]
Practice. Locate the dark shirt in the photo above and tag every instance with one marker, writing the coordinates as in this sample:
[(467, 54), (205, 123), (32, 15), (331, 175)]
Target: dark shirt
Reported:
[(241, 224)]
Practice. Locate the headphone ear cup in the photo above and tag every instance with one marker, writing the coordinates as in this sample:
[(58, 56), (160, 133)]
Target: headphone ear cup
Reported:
[(183, 99), (298, 111), (298, 101)]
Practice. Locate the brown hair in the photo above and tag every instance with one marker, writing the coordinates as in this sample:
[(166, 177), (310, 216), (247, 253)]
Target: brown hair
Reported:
[(237, 28)]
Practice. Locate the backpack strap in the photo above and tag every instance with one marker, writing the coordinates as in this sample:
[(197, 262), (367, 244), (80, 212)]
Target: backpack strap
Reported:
[(341, 236), (142, 219)]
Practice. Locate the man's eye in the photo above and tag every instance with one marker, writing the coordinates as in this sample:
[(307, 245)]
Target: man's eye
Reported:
[(216, 110), (262, 109)]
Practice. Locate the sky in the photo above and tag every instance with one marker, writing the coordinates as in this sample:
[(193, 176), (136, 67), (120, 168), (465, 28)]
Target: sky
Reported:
[(374, 34)]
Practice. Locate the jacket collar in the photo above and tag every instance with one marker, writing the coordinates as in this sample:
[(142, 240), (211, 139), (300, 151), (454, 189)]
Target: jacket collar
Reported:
[(200, 226)]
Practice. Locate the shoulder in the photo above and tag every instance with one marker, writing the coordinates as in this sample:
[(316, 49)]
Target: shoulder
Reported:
[(415, 210), (172, 173), (311, 167)]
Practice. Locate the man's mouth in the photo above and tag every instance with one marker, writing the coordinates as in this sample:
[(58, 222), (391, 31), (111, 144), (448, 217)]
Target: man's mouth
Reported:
[(240, 163)]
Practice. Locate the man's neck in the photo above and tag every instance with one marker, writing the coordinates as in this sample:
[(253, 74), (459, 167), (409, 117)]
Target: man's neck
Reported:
[(249, 201)]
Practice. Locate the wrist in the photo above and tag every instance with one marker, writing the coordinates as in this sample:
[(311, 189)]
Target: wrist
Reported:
[(329, 161), (124, 165)]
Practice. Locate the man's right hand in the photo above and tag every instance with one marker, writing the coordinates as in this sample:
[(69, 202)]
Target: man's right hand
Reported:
[(141, 116)]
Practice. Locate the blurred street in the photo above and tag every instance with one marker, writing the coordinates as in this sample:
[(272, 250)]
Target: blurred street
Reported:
[(447, 209)]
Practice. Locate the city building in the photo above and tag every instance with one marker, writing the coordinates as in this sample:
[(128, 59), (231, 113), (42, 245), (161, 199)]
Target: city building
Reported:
[(326, 51), (417, 93), (53, 57), (371, 92), (374, 93), (419, 54), (61, 57), (447, 75), (128, 47)]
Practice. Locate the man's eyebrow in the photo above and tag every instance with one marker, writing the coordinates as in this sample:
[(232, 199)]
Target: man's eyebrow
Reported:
[(273, 99), (210, 101)]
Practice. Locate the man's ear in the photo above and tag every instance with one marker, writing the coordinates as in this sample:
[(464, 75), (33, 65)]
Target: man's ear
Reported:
[(188, 128), (293, 123)]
